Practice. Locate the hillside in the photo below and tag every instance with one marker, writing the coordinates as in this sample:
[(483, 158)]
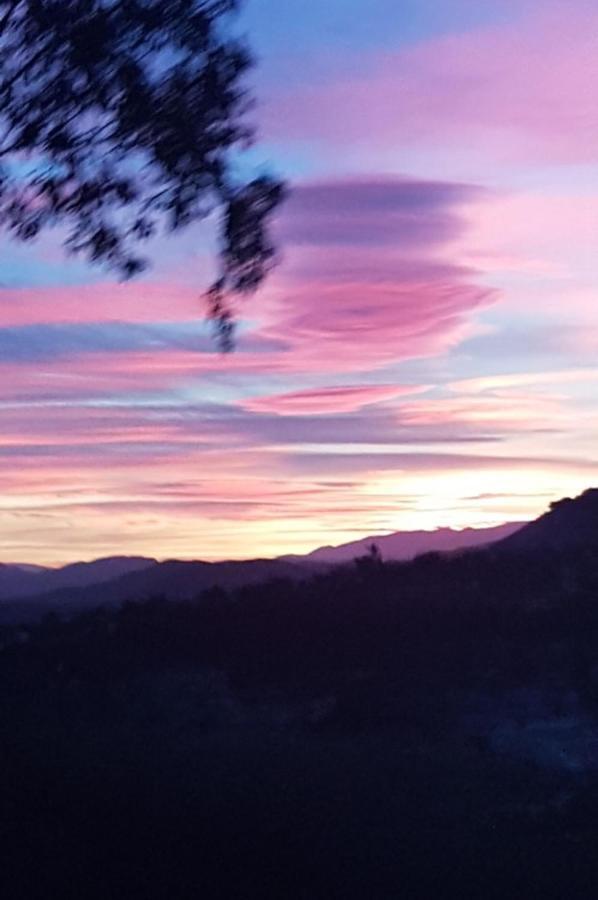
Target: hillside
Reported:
[(569, 523)]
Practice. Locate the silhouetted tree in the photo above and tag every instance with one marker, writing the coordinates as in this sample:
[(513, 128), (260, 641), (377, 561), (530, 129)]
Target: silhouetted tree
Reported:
[(120, 118), (370, 561)]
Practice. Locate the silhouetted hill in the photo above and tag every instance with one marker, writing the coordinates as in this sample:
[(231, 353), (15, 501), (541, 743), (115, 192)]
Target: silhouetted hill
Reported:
[(404, 545), (84, 574), (22, 580), (569, 523), (173, 579)]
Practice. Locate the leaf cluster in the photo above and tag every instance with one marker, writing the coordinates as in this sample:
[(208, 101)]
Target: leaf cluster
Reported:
[(119, 119)]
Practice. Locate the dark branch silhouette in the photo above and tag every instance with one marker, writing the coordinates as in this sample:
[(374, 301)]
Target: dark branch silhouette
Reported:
[(119, 119)]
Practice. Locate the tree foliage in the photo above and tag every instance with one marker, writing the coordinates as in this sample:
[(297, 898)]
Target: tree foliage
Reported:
[(120, 119)]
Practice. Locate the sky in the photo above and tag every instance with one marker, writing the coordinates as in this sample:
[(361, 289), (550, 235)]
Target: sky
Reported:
[(425, 353)]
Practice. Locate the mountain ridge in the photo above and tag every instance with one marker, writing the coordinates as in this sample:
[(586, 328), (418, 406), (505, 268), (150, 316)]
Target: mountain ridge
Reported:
[(27, 580), (22, 580), (27, 593), (404, 545)]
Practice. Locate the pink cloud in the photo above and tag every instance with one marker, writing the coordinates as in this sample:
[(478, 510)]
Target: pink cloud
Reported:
[(544, 242), (359, 326), (369, 277), (523, 88), (508, 381), (367, 280), (321, 401), (135, 301), (503, 412)]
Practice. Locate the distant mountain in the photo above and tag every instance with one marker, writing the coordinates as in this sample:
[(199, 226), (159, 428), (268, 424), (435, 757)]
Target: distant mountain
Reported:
[(569, 523), (21, 580), (14, 580), (171, 580), (84, 574), (404, 545)]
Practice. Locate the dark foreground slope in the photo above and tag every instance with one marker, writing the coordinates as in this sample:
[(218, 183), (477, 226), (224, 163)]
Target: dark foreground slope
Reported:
[(569, 523), (427, 729)]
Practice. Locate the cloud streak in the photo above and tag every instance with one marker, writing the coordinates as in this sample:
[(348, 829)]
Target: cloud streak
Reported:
[(325, 400)]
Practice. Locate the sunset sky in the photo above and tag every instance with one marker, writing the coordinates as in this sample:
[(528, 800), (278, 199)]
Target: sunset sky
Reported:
[(425, 353)]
